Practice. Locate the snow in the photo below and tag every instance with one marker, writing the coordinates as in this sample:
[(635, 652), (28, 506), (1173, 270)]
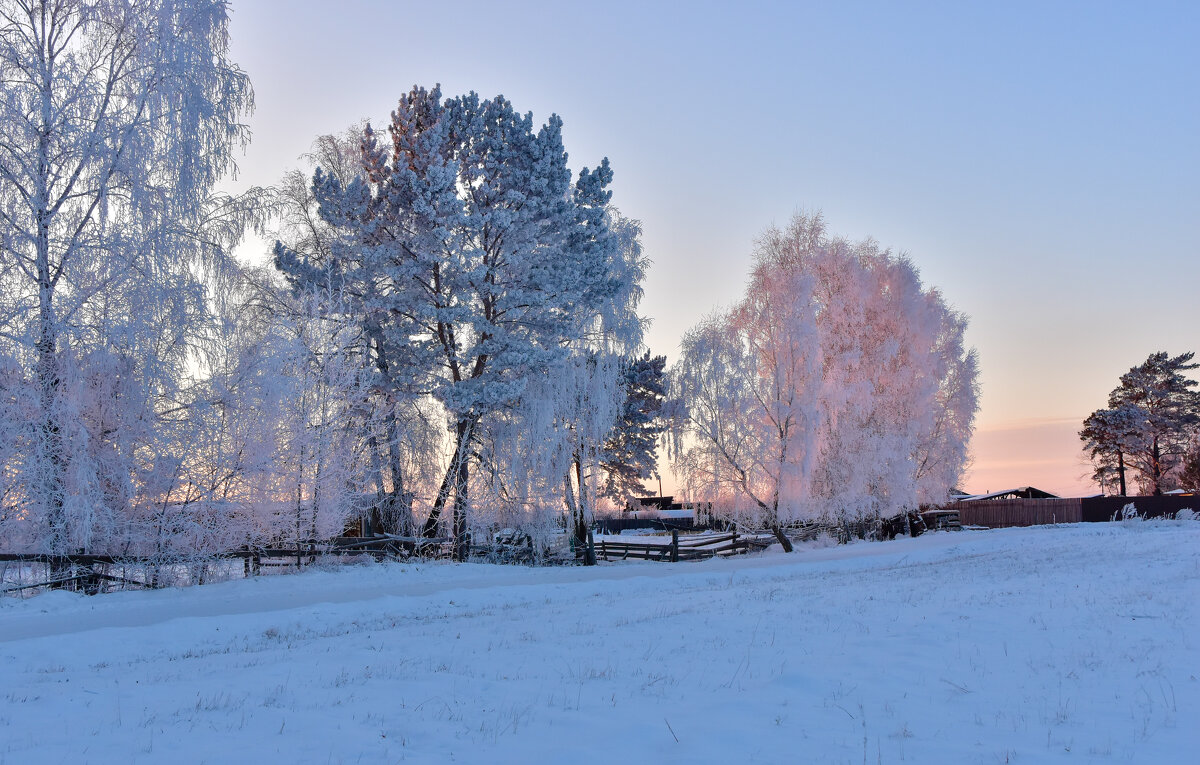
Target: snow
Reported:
[(994, 494), (687, 513), (1047, 644)]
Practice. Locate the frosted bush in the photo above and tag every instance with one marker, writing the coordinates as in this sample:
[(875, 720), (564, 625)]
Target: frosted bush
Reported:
[(1128, 514), (824, 539)]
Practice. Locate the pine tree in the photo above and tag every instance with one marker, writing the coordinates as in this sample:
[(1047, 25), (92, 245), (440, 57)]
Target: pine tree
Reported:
[(1110, 436), (1151, 418), (629, 454), (473, 258)]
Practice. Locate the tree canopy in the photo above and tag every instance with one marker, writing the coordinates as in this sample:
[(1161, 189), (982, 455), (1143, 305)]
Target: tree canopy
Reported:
[(117, 119), (472, 260), (839, 386), (1152, 419)]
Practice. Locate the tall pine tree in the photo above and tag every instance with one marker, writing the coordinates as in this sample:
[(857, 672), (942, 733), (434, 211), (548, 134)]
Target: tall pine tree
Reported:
[(471, 255), (1152, 416)]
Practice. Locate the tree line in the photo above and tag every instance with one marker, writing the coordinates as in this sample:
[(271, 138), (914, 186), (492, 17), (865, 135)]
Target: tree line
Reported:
[(448, 338)]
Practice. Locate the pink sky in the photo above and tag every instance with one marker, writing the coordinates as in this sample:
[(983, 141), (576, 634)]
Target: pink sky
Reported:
[(1041, 453)]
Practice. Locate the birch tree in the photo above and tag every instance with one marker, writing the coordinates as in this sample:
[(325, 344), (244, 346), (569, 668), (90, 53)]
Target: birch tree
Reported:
[(838, 387), (116, 120)]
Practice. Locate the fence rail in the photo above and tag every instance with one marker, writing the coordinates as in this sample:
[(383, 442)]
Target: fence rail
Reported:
[(681, 549), (1000, 513), (92, 573)]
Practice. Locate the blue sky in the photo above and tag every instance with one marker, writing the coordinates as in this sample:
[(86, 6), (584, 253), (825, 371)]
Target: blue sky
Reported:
[(1039, 162)]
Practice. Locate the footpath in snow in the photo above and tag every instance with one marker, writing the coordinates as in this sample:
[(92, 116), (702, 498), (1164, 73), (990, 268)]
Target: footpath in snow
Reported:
[(1053, 644)]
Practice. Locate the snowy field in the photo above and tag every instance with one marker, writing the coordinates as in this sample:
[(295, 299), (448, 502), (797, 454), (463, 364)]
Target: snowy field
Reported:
[(1070, 644)]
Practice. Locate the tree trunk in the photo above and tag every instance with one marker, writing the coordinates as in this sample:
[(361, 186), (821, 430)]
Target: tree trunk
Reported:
[(374, 519), (1156, 467), (51, 457), (585, 516), (572, 511), (299, 502), (462, 541), (51, 445), (773, 524), (430, 528), (316, 491), (464, 430), (783, 538), (400, 506), (1121, 470), (584, 551)]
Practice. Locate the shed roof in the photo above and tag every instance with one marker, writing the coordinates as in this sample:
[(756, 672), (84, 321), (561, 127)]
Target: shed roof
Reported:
[(1021, 492)]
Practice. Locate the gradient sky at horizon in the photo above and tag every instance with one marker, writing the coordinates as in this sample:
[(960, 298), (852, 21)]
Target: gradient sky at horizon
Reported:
[(1040, 162)]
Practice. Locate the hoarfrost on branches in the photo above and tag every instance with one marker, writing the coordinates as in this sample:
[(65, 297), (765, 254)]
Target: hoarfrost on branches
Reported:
[(838, 388), (116, 121), (478, 271)]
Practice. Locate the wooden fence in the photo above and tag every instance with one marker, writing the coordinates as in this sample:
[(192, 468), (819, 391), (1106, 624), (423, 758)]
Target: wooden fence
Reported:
[(1100, 509), (998, 513), (102, 573), (690, 548)]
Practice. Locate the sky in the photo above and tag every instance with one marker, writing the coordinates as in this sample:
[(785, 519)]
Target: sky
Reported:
[(1039, 162)]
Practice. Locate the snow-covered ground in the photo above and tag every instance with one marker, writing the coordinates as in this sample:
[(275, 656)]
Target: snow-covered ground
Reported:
[(1069, 644)]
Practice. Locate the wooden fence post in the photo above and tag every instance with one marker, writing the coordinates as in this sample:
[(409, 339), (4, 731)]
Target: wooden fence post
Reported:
[(674, 545)]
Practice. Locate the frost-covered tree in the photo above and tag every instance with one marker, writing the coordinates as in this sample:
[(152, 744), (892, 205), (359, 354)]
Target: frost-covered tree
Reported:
[(839, 386), (280, 410), (348, 281), (553, 438), (750, 380), (471, 256), (555, 434), (1152, 416), (1109, 435), (116, 120), (629, 456), (899, 386)]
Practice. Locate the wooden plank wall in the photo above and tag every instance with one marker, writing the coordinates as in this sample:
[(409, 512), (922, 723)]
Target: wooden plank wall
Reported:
[(999, 513)]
